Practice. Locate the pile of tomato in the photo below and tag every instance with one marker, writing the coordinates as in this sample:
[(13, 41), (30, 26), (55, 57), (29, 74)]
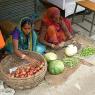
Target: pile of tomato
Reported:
[(26, 71)]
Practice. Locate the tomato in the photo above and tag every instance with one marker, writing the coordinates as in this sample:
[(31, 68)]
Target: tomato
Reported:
[(18, 70), (23, 72), (34, 71), (31, 72), (17, 75), (12, 75), (29, 76), (38, 68)]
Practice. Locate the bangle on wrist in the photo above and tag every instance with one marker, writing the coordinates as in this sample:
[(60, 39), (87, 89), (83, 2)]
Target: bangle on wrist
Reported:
[(23, 56), (52, 45)]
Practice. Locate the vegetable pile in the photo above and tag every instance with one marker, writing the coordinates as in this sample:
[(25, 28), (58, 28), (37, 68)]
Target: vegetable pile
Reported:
[(56, 67), (87, 51), (70, 62), (27, 71)]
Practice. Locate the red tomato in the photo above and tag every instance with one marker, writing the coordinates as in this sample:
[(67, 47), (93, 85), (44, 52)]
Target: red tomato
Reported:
[(34, 71), (38, 68)]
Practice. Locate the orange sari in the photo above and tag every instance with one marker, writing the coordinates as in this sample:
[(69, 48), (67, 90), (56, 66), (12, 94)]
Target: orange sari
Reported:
[(54, 33)]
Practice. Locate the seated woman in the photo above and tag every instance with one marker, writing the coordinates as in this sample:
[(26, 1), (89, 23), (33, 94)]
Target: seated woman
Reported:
[(18, 40), (55, 29)]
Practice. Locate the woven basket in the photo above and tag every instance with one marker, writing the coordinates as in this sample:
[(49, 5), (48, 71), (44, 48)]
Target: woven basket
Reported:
[(11, 61)]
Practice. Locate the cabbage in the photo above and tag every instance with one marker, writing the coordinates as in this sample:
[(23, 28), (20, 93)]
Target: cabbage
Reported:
[(50, 56), (56, 67)]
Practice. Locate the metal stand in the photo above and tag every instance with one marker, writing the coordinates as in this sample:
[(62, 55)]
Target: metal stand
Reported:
[(92, 22)]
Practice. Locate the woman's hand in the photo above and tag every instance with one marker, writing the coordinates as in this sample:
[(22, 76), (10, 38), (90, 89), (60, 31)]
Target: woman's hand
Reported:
[(55, 46), (52, 45), (61, 21), (29, 59), (61, 44)]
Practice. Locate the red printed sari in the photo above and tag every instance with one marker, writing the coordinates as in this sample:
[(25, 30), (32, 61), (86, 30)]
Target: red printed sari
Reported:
[(54, 34)]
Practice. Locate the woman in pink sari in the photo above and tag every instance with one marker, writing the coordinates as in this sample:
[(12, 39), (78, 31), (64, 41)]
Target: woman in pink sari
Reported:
[(55, 29)]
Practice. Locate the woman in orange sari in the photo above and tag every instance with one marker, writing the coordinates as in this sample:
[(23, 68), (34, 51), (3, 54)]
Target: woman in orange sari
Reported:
[(55, 29)]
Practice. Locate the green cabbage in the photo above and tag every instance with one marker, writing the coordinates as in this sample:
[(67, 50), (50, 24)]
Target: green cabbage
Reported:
[(56, 67), (50, 56)]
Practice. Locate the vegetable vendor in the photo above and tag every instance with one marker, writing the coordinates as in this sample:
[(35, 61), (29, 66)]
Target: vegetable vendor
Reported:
[(20, 39), (55, 29)]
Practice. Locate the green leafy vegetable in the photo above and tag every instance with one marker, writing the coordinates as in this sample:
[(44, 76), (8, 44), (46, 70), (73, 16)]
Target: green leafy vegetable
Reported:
[(70, 62), (87, 51)]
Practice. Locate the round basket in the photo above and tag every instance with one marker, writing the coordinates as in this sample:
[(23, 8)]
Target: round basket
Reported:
[(12, 61)]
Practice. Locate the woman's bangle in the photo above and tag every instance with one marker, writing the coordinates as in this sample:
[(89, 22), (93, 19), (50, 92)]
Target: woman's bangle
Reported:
[(23, 56), (53, 45)]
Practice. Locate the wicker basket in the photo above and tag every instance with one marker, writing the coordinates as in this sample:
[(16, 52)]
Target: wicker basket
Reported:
[(11, 61)]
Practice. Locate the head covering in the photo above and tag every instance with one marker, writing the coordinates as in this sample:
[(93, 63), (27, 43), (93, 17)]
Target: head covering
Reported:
[(25, 20), (53, 11)]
